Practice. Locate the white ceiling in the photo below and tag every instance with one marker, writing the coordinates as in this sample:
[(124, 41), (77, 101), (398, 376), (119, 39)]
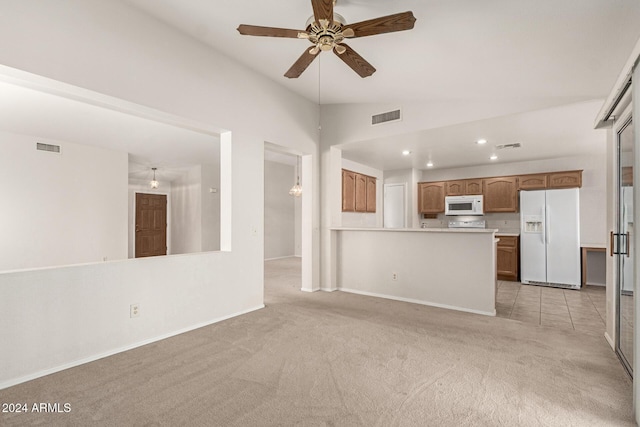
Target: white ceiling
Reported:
[(462, 49), (554, 132)]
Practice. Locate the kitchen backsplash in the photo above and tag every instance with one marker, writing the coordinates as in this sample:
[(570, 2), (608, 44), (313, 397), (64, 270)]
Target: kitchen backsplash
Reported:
[(504, 222)]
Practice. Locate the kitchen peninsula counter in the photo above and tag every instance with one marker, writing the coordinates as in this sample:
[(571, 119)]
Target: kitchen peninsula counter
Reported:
[(442, 267)]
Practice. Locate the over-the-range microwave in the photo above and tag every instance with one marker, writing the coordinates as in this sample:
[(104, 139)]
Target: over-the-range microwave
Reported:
[(463, 205)]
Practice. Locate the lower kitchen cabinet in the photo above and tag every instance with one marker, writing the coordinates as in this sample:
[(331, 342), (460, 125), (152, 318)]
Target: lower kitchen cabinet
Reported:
[(508, 257)]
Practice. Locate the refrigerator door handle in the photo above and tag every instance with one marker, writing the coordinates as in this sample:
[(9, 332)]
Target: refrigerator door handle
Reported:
[(627, 244), (547, 224)]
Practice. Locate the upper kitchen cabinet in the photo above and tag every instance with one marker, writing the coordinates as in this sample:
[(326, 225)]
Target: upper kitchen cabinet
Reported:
[(627, 176), (361, 193), (348, 191), (550, 180), (371, 194), (358, 192), (569, 179), (454, 188), (539, 181), (472, 187), (431, 197), (500, 194), (463, 187)]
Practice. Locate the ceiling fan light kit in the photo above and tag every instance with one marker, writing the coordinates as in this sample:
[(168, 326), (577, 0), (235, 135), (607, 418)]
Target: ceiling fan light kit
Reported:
[(327, 30)]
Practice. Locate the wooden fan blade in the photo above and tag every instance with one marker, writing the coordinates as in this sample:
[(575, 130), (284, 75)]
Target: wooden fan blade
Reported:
[(322, 9), (300, 65), (254, 30), (386, 24), (355, 61)]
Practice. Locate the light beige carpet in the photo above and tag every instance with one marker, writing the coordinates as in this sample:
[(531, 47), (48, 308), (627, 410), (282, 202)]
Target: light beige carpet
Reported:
[(336, 359)]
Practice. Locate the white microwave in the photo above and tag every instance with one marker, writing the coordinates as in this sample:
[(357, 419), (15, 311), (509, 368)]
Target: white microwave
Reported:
[(463, 205)]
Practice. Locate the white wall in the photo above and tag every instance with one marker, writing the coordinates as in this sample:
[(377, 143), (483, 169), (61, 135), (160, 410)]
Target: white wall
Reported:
[(60, 209), (80, 313), (279, 210), (186, 212), (421, 259), (363, 219), (593, 194), (210, 186)]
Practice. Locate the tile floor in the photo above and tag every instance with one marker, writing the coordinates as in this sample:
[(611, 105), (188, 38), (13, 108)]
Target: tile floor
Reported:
[(581, 310)]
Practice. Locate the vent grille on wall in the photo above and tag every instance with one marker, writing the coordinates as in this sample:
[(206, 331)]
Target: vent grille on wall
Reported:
[(48, 147), (389, 116), (504, 146)]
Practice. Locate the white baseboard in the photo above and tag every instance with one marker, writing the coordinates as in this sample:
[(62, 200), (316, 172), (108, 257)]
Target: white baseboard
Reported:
[(416, 301), (93, 358), (611, 343), (281, 257)]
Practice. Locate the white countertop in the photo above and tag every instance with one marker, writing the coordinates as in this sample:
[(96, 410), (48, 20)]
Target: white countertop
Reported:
[(500, 233), (421, 230)]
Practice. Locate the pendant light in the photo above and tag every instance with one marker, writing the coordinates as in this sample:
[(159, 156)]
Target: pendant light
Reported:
[(296, 190), (154, 184)]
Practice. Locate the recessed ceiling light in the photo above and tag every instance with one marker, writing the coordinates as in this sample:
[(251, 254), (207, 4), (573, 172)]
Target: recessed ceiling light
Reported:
[(430, 164), (406, 152), (481, 141), (493, 157)]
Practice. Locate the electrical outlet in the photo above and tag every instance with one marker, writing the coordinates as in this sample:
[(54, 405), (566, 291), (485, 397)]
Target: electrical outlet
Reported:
[(394, 276), (134, 310)]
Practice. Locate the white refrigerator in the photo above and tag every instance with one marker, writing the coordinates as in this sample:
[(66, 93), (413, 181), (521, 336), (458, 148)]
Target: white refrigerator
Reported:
[(550, 237)]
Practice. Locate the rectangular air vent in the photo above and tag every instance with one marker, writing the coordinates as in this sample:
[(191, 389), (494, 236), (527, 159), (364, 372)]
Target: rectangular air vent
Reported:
[(389, 116), (48, 147), (504, 146)]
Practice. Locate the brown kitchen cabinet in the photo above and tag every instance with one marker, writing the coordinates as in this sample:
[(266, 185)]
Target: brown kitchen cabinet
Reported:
[(627, 176), (538, 181), (463, 187), (361, 193), (472, 187), (358, 192), (348, 191), (371, 194), (431, 197), (500, 194), (455, 188), (569, 179), (508, 258), (551, 180)]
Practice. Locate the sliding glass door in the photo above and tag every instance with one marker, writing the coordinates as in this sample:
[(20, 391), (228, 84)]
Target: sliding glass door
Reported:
[(622, 243)]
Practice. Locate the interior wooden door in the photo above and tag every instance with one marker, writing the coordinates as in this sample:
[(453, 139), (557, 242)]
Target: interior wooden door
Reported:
[(151, 225)]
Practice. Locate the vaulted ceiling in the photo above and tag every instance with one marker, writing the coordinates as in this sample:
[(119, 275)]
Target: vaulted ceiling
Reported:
[(549, 53)]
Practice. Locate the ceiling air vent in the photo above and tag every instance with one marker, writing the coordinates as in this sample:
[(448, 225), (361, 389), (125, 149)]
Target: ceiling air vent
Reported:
[(505, 146), (48, 147), (390, 116)]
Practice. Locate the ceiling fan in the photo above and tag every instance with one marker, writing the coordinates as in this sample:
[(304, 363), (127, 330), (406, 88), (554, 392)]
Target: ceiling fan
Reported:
[(327, 30)]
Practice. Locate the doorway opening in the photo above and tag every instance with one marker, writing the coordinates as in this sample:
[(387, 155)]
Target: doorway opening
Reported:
[(287, 217)]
